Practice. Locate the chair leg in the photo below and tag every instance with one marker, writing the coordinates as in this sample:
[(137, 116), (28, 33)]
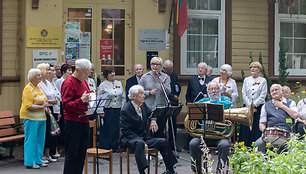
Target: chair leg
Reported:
[(111, 163), (149, 156), (85, 165), (94, 165), (128, 161), (156, 163), (121, 153)]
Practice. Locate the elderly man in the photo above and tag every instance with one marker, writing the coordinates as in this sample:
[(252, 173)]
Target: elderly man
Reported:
[(133, 125), (134, 80), (198, 84), (278, 112), (173, 97), (75, 97), (223, 144)]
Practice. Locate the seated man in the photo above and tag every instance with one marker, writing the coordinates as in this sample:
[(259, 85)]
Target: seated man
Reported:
[(133, 125), (278, 112), (223, 144)]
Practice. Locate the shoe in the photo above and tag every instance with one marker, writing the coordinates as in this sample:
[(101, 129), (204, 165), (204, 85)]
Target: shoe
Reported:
[(51, 159), (56, 155), (168, 172), (44, 160), (178, 149), (43, 165), (147, 157), (33, 167)]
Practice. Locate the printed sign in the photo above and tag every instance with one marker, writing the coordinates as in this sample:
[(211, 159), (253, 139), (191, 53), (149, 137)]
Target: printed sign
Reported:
[(44, 56), (106, 51), (152, 39), (71, 52), (85, 45), (73, 32), (44, 37)]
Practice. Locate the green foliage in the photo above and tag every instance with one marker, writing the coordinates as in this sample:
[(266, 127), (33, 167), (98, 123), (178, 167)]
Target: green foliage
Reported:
[(250, 160), (2, 151), (266, 76), (282, 68), (297, 92)]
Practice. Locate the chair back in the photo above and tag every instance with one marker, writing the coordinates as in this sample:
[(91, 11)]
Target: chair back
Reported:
[(92, 124)]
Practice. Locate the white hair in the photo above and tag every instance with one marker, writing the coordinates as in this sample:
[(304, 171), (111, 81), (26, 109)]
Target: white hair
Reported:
[(167, 62), (203, 63), (228, 69), (209, 68), (32, 73), (135, 90), (82, 64), (211, 82), (278, 85)]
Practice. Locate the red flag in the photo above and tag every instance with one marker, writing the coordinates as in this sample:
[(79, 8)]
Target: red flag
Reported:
[(181, 16)]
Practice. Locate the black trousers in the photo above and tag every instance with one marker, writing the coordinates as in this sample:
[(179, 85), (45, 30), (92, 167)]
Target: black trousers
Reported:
[(138, 146), (76, 145)]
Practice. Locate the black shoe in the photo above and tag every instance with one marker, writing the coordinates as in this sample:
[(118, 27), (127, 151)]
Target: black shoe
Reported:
[(168, 172), (178, 149)]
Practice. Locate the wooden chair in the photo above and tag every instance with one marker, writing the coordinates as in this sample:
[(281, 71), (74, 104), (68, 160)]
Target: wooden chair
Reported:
[(102, 153), (125, 153), (8, 129)]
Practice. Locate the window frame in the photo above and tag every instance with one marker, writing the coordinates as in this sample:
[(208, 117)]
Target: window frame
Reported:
[(295, 18), (205, 14)]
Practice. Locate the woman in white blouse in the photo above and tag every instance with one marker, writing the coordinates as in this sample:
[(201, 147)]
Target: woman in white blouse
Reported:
[(228, 86), (113, 91), (254, 90), (301, 121)]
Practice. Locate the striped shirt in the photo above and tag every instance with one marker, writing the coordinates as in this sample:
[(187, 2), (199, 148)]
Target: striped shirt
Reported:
[(32, 95)]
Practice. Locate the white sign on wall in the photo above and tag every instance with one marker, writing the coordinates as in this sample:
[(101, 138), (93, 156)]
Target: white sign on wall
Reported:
[(152, 39), (45, 56)]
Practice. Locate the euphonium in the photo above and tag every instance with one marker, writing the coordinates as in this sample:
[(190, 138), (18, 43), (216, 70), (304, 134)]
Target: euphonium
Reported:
[(242, 115), (220, 130)]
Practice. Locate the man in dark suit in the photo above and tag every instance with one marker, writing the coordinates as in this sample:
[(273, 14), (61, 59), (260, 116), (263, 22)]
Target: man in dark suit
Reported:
[(173, 97), (133, 126), (197, 84), (138, 69)]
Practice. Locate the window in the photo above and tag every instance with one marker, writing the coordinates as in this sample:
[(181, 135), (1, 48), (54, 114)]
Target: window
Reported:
[(293, 31), (204, 40)]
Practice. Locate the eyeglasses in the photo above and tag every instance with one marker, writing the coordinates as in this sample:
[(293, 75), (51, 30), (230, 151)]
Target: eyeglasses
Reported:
[(274, 90), (253, 67), (154, 64), (211, 89)]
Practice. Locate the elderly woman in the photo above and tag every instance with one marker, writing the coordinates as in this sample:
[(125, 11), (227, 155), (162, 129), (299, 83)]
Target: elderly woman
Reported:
[(112, 90), (48, 90), (301, 121), (152, 83), (228, 86), (254, 90), (32, 113)]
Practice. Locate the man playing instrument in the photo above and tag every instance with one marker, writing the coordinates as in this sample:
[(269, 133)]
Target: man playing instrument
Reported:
[(278, 112), (133, 126), (214, 95)]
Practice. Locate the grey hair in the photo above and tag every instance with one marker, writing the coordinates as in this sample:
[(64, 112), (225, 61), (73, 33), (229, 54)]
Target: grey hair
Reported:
[(92, 66), (211, 82), (135, 90), (209, 68), (228, 69), (82, 64), (203, 63), (167, 62), (280, 86), (32, 73)]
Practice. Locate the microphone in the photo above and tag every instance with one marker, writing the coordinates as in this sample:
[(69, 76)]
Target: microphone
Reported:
[(157, 74)]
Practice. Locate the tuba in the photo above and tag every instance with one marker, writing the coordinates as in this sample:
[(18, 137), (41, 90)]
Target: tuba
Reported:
[(220, 130)]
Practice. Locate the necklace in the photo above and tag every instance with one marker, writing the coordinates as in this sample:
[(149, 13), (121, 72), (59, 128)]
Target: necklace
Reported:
[(225, 82)]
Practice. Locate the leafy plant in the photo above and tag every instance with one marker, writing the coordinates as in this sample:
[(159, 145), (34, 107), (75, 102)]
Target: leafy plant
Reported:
[(266, 76), (249, 160), (298, 93), (282, 68), (2, 151)]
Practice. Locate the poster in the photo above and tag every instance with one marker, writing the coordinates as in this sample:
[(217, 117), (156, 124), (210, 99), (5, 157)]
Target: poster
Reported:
[(73, 32), (44, 37), (85, 45), (71, 52), (45, 56), (106, 51)]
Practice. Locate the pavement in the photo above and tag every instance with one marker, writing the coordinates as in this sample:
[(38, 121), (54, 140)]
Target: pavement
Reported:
[(15, 166)]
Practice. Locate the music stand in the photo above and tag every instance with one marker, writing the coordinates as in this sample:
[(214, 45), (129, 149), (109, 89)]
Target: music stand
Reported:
[(206, 111)]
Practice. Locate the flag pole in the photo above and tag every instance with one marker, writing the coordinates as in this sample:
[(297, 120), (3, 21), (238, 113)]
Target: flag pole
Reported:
[(177, 10), (170, 20)]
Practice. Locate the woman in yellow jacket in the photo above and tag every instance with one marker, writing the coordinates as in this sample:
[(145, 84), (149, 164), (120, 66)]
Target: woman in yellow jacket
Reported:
[(32, 113)]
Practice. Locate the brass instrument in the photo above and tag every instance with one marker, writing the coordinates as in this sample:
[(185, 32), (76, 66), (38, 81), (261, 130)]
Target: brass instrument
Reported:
[(220, 130)]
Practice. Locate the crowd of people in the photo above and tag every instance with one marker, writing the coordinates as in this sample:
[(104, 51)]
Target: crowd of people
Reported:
[(61, 94)]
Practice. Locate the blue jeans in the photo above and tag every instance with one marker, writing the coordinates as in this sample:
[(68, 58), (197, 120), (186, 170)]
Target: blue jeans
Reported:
[(34, 141)]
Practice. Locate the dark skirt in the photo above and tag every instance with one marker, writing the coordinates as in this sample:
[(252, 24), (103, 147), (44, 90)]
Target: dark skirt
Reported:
[(247, 136), (109, 131)]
